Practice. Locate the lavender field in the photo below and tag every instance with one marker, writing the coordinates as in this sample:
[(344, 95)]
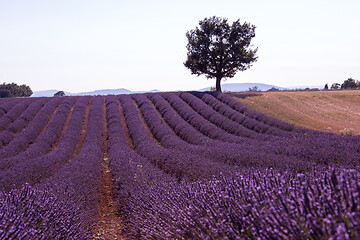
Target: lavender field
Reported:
[(183, 165)]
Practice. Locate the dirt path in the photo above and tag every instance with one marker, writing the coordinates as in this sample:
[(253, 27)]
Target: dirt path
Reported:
[(331, 111), (109, 226)]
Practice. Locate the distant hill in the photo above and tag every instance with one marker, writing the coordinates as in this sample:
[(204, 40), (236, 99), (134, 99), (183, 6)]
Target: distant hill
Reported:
[(50, 93), (303, 87), (105, 92), (241, 87), (227, 87), (47, 93)]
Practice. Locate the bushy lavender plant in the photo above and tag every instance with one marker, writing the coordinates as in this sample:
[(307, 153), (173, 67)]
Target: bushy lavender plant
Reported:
[(257, 204), (35, 213)]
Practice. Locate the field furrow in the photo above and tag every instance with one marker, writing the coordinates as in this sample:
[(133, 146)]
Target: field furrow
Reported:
[(14, 113), (7, 106), (46, 141), (172, 165), (27, 137), (34, 170), (197, 121), (21, 122)]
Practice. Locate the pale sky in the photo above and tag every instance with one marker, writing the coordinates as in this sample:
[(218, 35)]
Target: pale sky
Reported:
[(84, 45)]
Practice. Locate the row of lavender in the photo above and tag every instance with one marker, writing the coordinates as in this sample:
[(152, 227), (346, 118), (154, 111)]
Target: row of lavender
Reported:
[(305, 146), (216, 132), (10, 130), (251, 203), (21, 149), (158, 145), (56, 191)]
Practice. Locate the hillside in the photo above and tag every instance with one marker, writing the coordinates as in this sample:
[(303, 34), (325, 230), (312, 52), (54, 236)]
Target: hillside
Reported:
[(50, 93), (226, 87), (174, 165), (238, 87), (330, 111)]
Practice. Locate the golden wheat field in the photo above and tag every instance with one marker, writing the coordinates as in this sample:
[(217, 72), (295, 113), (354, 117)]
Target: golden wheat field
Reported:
[(332, 111)]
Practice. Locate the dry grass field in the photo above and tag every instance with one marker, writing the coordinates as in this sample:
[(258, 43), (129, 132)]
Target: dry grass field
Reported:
[(331, 111)]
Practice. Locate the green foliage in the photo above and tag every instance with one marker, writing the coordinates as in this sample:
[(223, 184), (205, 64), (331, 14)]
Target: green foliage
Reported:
[(335, 86), (212, 89), (218, 50), (59, 94), (14, 90), (273, 89), (349, 84), (254, 89), (4, 93)]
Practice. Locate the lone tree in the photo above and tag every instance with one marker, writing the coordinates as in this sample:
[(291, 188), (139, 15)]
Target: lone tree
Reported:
[(218, 50)]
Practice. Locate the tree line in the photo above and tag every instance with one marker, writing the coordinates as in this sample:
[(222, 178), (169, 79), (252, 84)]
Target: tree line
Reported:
[(350, 83), (14, 90)]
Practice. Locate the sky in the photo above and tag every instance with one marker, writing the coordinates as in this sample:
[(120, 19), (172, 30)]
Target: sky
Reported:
[(85, 45)]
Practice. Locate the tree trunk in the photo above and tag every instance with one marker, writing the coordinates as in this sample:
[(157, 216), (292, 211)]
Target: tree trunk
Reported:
[(218, 86)]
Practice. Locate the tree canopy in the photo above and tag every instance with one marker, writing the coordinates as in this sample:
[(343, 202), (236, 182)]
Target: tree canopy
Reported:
[(59, 94), (14, 90), (335, 86), (350, 84), (218, 50)]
